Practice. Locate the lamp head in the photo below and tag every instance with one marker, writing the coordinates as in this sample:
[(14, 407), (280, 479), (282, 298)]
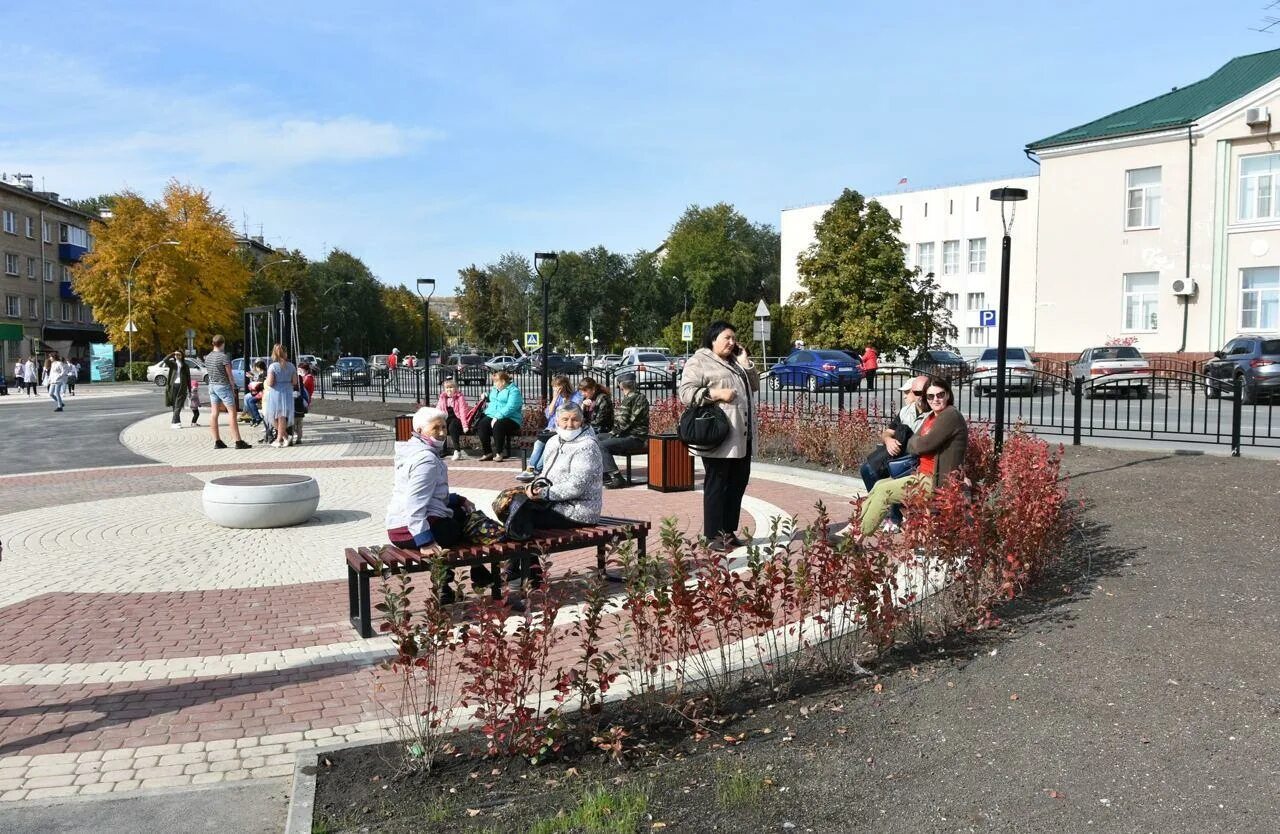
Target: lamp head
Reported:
[(541, 259), (429, 283), (1009, 195)]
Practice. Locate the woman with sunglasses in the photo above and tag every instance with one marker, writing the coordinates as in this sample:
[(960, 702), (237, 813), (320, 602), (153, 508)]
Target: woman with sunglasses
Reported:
[(940, 443)]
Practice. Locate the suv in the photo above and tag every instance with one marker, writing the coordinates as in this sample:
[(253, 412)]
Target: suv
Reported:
[(1254, 360), (465, 368)]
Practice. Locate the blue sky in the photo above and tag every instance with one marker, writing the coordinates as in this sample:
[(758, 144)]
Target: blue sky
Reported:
[(424, 137)]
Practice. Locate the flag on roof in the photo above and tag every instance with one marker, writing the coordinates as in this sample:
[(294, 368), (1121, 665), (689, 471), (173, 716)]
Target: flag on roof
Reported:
[(902, 181)]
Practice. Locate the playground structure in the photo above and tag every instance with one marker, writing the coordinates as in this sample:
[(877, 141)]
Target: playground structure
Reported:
[(274, 324)]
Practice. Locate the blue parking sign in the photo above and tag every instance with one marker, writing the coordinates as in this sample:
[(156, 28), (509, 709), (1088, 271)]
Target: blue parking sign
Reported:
[(986, 318)]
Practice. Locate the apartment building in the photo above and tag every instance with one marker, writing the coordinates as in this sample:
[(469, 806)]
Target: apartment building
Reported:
[(41, 238), (954, 232)]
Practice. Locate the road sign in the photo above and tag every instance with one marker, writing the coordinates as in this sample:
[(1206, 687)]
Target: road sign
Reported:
[(130, 328), (762, 331), (986, 318), (532, 340), (686, 331), (762, 310)]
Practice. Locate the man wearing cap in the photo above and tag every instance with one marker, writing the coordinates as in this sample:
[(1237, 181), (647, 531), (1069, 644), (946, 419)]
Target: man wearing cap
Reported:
[(392, 361), (630, 431)]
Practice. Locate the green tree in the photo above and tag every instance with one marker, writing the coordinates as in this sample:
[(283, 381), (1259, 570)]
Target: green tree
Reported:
[(349, 302), (721, 258), (483, 309), (856, 286)]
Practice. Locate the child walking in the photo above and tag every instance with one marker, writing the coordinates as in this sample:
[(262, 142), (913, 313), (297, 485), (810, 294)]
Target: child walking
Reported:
[(195, 400)]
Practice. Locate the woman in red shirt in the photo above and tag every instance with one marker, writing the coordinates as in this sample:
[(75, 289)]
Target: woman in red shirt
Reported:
[(870, 361), (308, 388)]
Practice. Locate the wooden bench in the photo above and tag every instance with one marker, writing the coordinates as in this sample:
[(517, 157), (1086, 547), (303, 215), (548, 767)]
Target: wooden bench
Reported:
[(363, 563)]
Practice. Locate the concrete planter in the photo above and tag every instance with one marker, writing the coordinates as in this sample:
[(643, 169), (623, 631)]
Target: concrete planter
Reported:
[(261, 501)]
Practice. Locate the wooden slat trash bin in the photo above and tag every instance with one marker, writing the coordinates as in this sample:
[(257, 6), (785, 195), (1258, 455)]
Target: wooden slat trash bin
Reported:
[(670, 464), (404, 427)]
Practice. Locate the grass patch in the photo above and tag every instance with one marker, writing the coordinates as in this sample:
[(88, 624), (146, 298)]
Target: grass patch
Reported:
[(599, 811), (738, 788)]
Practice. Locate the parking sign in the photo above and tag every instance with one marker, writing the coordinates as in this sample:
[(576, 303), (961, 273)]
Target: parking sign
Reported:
[(686, 331), (532, 340), (986, 318)]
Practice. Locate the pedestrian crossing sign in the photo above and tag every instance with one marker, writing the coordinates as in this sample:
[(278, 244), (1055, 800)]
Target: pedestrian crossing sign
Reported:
[(532, 340), (686, 331)]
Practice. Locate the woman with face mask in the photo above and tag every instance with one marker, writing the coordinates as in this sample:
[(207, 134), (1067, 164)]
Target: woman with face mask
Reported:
[(423, 515), (569, 494)]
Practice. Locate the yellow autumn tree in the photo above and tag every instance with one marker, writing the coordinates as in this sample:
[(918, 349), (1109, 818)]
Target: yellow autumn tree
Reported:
[(198, 283)]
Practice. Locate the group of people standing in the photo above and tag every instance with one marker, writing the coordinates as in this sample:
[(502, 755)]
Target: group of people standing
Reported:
[(59, 376)]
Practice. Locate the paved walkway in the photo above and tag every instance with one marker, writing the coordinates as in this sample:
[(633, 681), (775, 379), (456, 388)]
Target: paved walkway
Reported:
[(172, 652)]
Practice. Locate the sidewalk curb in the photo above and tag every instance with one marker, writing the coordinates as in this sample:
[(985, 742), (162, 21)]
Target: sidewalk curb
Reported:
[(302, 793)]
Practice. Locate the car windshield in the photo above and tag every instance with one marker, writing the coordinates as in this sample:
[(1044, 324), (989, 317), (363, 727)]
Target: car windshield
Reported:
[(833, 355), (1103, 354), (945, 356), (1010, 354), (350, 363), (650, 357)]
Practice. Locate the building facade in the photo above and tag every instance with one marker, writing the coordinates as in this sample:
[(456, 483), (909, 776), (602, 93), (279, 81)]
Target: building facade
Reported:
[(954, 232), (1161, 222), (41, 238)]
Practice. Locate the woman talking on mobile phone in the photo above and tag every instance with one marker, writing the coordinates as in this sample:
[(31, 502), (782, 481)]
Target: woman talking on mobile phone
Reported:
[(721, 372)]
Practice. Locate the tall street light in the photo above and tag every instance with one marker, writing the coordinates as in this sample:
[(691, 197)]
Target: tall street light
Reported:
[(1002, 196), (129, 327), (546, 264), (430, 284)]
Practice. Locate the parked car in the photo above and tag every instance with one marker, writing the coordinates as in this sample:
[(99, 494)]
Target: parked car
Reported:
[(1254, 360), (310, 358), (609, 361), (814, 370), (941, 362), (159, 374), (1020, 370), (630, 350), (510, 364), (378, 368), (558, 363), (466, 368), (586, 360), (651, 370), (1116, 369), (350, 370)]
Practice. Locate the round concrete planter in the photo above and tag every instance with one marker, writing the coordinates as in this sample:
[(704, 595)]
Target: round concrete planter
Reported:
[(259, 501)]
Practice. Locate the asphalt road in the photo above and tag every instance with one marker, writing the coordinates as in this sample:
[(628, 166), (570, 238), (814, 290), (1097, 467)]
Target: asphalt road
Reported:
[(34, 438)]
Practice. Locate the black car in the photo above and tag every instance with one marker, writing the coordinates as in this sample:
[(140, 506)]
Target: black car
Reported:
[(349, 370), (941, 363), (558, 363), (1254, 360), (464, 368)]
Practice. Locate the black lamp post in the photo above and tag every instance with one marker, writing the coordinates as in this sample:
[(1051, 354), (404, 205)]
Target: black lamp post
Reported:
[(430, 283), (546, 263), (1002, 196)]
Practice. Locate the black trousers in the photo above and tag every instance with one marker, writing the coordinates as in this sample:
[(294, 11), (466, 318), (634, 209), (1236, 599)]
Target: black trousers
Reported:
[(453, 426), (449, 531), (496, 432), (611, 446), (179, 402), (722, 490), (870, 377)]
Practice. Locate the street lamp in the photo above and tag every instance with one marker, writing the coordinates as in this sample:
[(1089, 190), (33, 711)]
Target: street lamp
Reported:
[(129, 328), (430, 284), (550, 262), (1002, 196)]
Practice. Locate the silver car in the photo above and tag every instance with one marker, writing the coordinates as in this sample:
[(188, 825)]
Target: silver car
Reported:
[(651, 370), (1117, 369), (1019, 370)]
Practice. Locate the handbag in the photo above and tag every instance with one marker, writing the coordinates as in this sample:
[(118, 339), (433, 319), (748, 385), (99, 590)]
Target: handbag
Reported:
[(703, 427)]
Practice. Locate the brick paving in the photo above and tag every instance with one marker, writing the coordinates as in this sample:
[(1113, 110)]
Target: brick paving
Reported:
[(171, 652)]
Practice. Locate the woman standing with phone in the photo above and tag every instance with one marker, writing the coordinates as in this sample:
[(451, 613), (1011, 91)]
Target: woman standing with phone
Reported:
[(721, 372)]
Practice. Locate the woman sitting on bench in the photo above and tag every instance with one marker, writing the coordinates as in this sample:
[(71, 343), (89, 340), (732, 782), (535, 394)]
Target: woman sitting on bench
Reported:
[(423, 515)]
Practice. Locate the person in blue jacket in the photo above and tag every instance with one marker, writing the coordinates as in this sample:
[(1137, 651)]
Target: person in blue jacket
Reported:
[(503, 416)]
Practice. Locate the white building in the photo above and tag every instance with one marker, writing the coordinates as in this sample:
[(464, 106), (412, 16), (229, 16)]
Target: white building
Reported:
[(955, 233), (1162, 221)]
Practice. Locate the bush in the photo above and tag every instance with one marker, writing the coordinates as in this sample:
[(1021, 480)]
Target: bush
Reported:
[(133, 372)]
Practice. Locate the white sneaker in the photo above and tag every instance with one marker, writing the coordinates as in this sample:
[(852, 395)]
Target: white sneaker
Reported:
[(457, 454), (890, 527), (175, 425), (847, 530), (279, 444), (292, 440)]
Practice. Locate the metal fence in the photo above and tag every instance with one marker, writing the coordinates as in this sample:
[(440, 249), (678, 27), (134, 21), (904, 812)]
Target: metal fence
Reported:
[(1168, 403)]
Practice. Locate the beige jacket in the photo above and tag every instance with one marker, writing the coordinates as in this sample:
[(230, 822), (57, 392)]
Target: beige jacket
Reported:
[(705, 371)]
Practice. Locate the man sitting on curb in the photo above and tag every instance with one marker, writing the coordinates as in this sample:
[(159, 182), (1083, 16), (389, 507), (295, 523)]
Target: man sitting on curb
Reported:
[(630, 431)]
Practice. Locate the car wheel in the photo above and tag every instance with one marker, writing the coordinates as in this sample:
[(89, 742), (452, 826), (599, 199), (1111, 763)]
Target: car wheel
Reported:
[(811, 385), (775, 383), (1211, 391), (160, 380), (1248, 394), (1141, 392)]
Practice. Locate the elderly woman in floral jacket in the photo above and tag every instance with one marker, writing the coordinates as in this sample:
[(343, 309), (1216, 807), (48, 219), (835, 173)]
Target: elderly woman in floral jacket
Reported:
[(721, 372)]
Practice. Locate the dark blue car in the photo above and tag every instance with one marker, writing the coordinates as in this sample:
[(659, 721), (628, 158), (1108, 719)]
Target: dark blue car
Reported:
[(814, 370)]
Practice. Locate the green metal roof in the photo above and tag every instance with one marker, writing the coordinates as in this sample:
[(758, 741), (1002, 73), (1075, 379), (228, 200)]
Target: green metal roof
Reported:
[(1179, 108)]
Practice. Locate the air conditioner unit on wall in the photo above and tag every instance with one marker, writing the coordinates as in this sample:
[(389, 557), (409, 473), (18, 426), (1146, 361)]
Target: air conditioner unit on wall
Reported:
[(1183, 286), (1256, 116)]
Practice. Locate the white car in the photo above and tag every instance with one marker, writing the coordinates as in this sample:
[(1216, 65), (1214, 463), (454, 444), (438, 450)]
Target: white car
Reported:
[(1117, 369), (651, 370), (609, 361), (1019, 370), (159, 374)]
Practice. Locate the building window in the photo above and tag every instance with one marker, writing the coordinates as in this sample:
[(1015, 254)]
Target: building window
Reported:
[(48, 310), (31, 267), (924, 257), (975, 335), (1141, 300), (31, 228), (1142, 200), (13, 306), (66, 311), (48, 271), (45, 232), (10, 222), (1260, 298), (66, 275), (906, 255), (74, 235), (951, 301), (951, 206), (1257, 186), (975, 301), (10, 263), (926, 209), (977, 254), (950, 257), (32, 309)]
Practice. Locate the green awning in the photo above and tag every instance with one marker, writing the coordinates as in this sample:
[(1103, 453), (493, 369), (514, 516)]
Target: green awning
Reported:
[(11, 333)]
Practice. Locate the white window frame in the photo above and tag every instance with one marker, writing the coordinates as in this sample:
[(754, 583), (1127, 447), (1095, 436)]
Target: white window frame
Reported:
[(1263, 188), (31, 267), (978, 247), (975, 335), (1146, 302), (12, 264), (1148, 198), (951, 265), (31, 227), (13, 306), (951, 301), (45, 232), (975, 301), (10, 222), (66, 311), (48, 270), (924, 256), (48, 309), (1264, 299), (33, 309)]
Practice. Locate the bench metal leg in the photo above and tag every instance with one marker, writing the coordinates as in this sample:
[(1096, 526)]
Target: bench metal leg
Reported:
[(628, 468), (353, 595), (495, 590), (366, 609)]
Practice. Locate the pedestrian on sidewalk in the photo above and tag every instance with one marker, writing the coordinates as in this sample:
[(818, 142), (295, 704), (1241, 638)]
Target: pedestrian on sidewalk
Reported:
[(55, 378), (222, 393), (277, 406), (177, 387), (302, 401), (73, 374), (194, 399), (870, 362), (29, 375)]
